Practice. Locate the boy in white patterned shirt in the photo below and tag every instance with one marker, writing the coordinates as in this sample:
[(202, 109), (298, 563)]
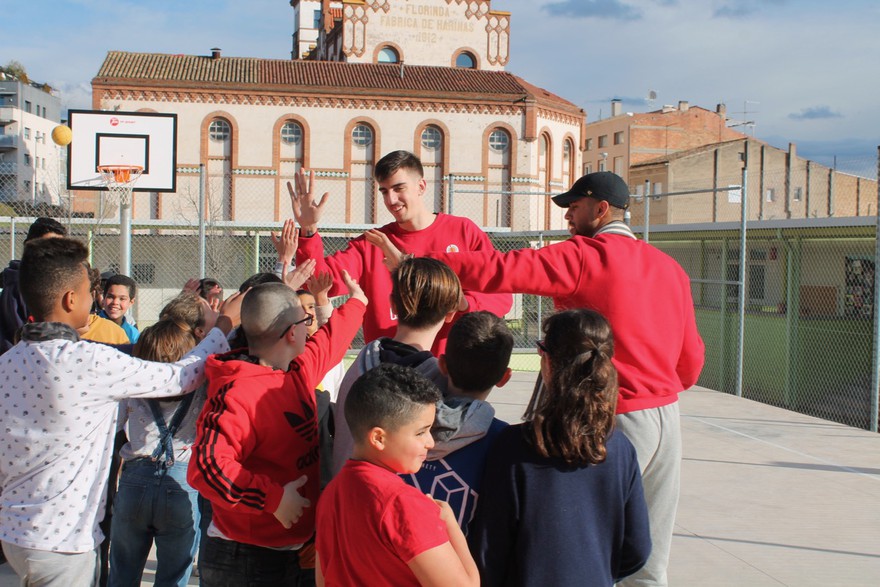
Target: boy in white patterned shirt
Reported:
[(60, 410)]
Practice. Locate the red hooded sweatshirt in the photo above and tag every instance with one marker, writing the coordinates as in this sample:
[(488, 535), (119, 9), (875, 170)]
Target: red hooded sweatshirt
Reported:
[(258, 431)]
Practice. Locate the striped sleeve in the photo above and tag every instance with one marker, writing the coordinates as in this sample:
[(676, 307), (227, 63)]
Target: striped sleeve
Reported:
[(224, 440)]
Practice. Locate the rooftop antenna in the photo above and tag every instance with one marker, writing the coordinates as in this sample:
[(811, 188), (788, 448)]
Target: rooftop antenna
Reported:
[(746, 121), (652, 97)]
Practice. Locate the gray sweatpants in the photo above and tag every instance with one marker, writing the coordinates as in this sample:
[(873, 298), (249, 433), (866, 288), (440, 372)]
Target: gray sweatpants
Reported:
[(43, 568), (656, 435)]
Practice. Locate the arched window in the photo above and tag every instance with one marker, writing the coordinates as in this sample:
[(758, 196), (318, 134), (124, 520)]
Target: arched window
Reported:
[(291, 150), (567, 163), (291, 133), (388, 55), (362, 135), (219, 130), (432, 138), (220, 185), (466, 60), (431, 154), (498, 207), (365, 204), (499, 141)]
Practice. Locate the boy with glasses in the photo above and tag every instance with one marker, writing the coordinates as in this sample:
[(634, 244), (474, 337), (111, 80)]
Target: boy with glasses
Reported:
[(256, 452)]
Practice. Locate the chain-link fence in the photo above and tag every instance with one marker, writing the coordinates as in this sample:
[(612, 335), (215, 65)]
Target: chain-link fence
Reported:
[(802, 336)]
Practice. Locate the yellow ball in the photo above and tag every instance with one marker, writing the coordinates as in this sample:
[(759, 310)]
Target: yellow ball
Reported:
[(62, 135)]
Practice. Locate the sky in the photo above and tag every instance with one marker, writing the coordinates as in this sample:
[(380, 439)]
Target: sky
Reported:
[(803, 71)]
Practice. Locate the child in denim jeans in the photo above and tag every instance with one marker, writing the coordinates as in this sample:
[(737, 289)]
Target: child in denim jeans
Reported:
[(154, 500)]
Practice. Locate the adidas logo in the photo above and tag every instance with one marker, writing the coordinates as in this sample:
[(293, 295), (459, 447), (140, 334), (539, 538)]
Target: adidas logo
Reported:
[(305, 425)]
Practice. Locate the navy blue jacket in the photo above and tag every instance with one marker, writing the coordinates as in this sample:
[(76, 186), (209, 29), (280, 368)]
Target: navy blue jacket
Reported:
[(540, 522), (13, 313)]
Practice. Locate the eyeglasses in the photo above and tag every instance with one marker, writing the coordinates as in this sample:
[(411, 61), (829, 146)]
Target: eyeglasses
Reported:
[(308, 321), (542, 348)]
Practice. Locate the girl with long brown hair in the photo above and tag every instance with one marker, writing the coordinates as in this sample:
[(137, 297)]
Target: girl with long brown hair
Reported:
[(562, 501)]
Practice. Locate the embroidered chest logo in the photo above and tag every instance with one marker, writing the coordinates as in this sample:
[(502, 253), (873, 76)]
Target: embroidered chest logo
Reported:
[(452, 249), (305, 425)]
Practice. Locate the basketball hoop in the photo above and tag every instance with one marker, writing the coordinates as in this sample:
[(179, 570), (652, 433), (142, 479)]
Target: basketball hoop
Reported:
[(120, 180)]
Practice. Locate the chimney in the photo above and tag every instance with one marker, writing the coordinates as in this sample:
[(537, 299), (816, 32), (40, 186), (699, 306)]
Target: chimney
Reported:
[(683, 105), (215, 53), (401, 69), (792, 151), (721, 110), (616, 107)]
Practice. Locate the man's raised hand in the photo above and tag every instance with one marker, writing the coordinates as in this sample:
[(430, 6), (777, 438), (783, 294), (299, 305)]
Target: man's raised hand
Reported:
[(306, 211), (391, 255)]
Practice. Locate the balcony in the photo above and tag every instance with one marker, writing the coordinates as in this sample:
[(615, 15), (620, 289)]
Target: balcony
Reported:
[(8, 168), (6, 116), (8, 142)]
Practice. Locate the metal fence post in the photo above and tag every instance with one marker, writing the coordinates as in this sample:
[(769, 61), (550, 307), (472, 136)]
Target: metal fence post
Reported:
[(451, 194), (256, 259), (722, 354), (743, 259), (91, 237), (12, 240), (647, 235), (202, 195), (875, 371)]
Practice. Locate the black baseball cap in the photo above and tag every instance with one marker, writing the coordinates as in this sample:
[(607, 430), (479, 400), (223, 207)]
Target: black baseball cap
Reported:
[(602, 185)]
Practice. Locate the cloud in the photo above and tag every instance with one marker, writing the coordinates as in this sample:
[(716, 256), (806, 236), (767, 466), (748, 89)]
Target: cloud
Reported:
[(610, 9), (733, 11), (744, 8), (815, 113)]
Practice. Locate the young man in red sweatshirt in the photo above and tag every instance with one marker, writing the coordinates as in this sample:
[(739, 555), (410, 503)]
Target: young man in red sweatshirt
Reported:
[(645, 296), (416, 229), (256, 455)]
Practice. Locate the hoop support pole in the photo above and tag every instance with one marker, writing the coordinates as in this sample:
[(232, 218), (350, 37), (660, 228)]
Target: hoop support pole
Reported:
[(125, 237)]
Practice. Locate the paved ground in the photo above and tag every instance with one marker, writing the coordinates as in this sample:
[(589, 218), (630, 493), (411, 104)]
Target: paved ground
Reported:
[(769, 497)]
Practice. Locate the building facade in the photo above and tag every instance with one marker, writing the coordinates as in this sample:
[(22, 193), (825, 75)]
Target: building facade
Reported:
[(626, 138), (254, 122), (31, 165), (450, 33), (780, 186)]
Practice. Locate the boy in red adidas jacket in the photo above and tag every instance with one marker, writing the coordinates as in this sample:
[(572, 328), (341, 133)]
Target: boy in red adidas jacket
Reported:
[(256, 451)]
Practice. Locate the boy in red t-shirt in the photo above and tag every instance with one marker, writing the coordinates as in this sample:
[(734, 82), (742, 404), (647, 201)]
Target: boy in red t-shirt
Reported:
[(372, 528)]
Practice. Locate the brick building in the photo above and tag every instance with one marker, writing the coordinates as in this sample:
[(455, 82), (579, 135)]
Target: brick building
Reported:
[(781, 185), (627, 138), (369, 85)]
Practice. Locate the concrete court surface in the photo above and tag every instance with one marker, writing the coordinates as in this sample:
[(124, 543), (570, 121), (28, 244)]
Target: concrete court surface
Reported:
[(769, 497)]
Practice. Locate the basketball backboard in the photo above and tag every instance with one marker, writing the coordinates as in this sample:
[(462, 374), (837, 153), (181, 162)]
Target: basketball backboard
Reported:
[(102, 138)]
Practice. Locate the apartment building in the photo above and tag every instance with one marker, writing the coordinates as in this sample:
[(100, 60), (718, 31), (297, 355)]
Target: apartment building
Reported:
[(31, 165)]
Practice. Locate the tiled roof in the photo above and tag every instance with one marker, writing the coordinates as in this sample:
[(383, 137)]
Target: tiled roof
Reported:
[(310, 76)]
